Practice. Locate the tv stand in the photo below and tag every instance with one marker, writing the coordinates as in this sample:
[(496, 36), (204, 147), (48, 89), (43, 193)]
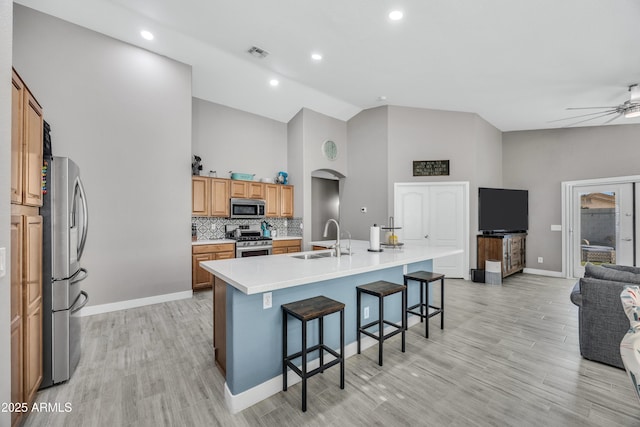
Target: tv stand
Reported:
[(508, 248)]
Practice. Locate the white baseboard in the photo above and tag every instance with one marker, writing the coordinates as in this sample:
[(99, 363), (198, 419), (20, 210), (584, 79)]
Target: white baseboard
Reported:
[(133, 303), (547, 273), (238, 402)]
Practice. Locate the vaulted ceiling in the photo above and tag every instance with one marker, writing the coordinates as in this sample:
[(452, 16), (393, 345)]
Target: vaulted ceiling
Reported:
[(518, 64)]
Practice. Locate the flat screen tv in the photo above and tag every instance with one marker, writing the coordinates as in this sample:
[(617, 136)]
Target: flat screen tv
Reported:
[(502, 211)]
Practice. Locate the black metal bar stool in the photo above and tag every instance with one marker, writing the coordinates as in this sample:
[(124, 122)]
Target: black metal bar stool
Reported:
[(426, 277), (382, 289), (306, 310)]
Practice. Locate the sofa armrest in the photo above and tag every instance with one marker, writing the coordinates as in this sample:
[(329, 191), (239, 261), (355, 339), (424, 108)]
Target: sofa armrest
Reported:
[(576, 296)]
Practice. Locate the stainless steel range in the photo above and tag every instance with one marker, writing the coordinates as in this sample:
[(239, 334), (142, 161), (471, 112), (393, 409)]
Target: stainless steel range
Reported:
[(249, 240)]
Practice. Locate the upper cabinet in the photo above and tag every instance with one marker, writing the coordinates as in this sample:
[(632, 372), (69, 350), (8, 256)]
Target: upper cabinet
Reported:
[(247, 189), (210, 196), (279, 200), (26, 145)]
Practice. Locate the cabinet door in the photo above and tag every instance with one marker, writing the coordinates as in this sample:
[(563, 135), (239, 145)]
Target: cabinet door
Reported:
[(293, 249), (220, 197), (278, 251), (286, 201), (256, 190), (17, 114), (225, 255), (239, 189), (17, 356), (200, 277), (272, 200), (200, 196), (33, 132), (32, 299), (220, 324)]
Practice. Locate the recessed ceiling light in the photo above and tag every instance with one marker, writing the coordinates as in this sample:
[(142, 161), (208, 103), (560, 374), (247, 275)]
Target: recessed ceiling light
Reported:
[(147, 35), (316, 57), (396, 15), (274, 82)]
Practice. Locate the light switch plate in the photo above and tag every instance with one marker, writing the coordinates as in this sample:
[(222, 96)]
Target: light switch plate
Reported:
[(3, 261), (556, 228)]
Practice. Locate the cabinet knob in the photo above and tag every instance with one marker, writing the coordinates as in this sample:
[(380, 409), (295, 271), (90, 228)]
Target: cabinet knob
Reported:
[(426, 236)]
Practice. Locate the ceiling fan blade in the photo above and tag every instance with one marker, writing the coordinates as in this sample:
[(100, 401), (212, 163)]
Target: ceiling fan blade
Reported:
[(590, 108), (592, 118), (612, 119), (582, 115)]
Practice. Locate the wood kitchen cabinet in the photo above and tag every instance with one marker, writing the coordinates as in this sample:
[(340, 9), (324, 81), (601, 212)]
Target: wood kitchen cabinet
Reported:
[(509, 249), (219, 324), (209, 196), (286, 246), (200, 278), (279, 201), (246, 189), (26, 306), (26, 145)]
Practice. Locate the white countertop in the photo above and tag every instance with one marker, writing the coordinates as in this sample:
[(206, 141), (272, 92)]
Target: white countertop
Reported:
[(254, 275), (212, 242), (287, 238)]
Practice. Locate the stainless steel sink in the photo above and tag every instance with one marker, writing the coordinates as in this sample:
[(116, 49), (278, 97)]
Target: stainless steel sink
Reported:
[(316, 255)]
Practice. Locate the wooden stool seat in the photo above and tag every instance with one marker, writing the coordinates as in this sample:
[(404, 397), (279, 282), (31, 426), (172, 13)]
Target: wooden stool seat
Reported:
[(424, 278), (305, 311), (381, 289)]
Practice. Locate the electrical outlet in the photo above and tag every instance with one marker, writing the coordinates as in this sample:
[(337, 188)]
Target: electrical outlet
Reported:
[(366, 312), (266, 300), (540, 260)]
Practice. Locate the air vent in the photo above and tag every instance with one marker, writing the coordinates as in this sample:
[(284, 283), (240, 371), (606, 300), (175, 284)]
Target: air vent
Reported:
[(258, 52)]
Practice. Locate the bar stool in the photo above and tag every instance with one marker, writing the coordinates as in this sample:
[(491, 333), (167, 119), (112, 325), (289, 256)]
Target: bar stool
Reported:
[(381, 289), (305, 311), (424, 278)]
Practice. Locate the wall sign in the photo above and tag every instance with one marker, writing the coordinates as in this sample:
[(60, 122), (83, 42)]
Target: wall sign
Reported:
[(430, 167)]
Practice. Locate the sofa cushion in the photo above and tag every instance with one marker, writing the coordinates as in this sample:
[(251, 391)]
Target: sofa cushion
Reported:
[(610, 274), (635, 270)]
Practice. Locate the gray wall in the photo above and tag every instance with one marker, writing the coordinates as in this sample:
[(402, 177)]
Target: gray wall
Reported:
[(540, 160), (367, 184), (472, 145), (6, 36), (124, 115), (229, 139)]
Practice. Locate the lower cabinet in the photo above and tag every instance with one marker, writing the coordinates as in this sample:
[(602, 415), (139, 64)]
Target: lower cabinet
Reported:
[(26, 308), (286, 246), (200, 278), (220, 324)]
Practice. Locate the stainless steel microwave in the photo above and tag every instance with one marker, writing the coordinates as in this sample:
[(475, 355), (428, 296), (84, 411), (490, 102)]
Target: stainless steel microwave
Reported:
[(247, 209)]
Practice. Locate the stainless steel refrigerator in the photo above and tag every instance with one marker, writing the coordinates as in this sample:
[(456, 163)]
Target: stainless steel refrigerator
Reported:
[(65, 220)]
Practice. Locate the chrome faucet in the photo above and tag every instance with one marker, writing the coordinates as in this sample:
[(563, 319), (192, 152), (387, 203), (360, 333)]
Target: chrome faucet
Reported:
[(326, 231)]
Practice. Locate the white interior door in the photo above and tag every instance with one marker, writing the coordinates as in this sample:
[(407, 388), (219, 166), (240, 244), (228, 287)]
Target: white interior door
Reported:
[(435, 215), (602, 229)]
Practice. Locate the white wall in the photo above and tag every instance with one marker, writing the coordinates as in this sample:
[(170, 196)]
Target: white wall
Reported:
[(367, 184), (124, 115), (6, 36), (233, 140), (540, 160)]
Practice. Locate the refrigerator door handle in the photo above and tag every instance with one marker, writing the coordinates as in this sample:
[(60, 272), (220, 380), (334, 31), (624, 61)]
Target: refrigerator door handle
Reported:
[(85, 215), (84, 302), (75, 278)]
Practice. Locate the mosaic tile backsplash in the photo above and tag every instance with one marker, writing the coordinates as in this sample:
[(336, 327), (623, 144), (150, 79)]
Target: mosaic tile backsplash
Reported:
[(213, 228)]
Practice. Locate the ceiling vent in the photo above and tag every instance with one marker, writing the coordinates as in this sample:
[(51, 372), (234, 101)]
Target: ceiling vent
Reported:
[(258, 52)]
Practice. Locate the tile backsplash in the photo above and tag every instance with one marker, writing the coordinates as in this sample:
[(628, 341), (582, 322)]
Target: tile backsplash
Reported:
[(209, 228)]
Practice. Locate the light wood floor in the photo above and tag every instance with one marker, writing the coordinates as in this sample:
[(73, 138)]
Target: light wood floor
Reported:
[(508, 356)]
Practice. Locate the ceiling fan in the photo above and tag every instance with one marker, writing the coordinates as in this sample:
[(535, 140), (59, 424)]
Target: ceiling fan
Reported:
[(628, 109)]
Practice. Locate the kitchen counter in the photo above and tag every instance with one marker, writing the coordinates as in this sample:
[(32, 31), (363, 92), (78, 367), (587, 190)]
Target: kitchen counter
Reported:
[(248, 294), (212, 242), (287, 238), (255, 275)]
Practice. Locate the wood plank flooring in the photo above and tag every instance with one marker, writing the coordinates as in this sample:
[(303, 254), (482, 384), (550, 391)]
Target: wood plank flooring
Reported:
[(508, 356)]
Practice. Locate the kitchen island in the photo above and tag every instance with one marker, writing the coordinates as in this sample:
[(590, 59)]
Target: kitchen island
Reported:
[(248, 346)]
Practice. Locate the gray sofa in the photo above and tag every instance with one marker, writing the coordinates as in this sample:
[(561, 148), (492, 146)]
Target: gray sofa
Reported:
[(601, 318)]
